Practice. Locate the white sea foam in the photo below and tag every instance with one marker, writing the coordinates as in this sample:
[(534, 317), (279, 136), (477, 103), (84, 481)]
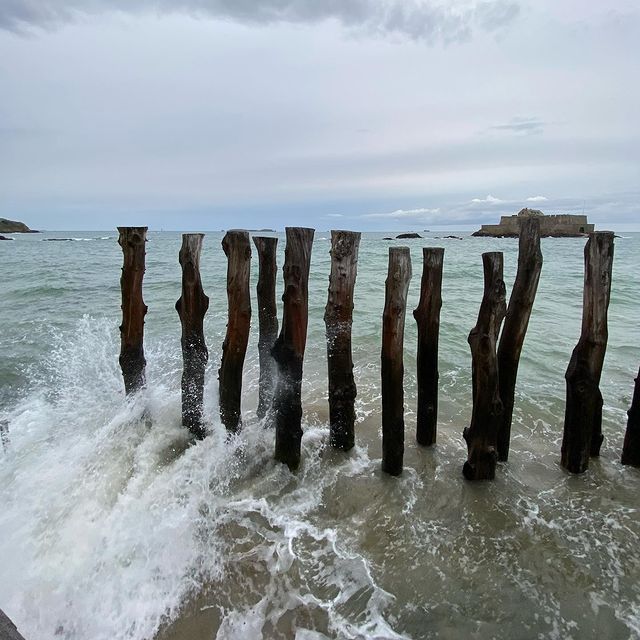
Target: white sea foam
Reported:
[(111, 521)]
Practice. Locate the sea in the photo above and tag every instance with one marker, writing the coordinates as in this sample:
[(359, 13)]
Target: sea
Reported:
[(114, 524)]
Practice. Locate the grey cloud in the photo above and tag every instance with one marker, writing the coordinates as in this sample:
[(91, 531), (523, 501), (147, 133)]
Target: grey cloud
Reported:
[(521, 126), (424, 20)]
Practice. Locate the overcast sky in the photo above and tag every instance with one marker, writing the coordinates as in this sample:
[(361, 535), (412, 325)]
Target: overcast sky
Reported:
[(362, 114)]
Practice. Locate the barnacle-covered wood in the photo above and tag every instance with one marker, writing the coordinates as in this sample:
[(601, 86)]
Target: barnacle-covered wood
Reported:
[(192, 307), (516, 323), (237, 248), (132, 360), (481, 435), (267, 320), (289, 348), (582, 436), (427, 315), (393, 320), (338, 317)]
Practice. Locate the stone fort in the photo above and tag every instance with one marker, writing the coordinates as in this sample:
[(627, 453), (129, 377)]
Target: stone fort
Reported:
[(564, 225)]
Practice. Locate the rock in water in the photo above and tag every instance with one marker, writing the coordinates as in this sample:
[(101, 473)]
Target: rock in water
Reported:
[(404, 236)]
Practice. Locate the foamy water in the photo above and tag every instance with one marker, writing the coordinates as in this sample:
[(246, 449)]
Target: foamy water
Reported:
[(115, 525)]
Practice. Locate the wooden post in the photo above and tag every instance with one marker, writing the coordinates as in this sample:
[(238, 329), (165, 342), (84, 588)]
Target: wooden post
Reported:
[(395, 305), (338, 318), (427, 315), (8, 630), (583, 413), (516, 323), (288, 350), (132, 360), (237, 248), (631, 448), (192, 307), (267, 319), (481, 435)]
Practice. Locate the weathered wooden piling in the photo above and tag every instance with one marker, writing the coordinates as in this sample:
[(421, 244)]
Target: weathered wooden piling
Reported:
[(267, 320), (8, 630), (583, 412), (427, 315), (289, 348), (338, 318), (4, 434), (393, 317), (237, 248), (132, 361), (192, 307), (631, 447), (516, 323), (481, 436)]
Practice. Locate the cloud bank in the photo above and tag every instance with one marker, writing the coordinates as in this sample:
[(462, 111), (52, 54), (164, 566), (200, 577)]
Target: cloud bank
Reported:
[(421, 20)]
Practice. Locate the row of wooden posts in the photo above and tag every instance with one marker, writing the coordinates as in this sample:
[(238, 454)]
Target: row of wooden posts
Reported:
[(495, 354)]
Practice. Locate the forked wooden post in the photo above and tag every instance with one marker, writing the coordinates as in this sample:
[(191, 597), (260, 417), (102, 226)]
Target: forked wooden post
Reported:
[(192, 307), (237, 248), (338, 317), (631, 448), (427, 315), (481, 435), (132, 361), (583, 413), (516, 323), (395, 306), (289, 348), (267, 320)]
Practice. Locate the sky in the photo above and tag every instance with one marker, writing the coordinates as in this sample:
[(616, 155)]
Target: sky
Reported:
[(357, 114)]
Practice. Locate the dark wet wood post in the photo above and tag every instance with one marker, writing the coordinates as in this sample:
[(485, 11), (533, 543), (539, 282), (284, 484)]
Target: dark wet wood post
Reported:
[(516, 323), (192, 307), (427, 315), (631, 448), (338, 318), (395, 306), (237, 248), (583, 412), (8, 630), (288, 350), (132, 362), (267, 320), (481, 435)]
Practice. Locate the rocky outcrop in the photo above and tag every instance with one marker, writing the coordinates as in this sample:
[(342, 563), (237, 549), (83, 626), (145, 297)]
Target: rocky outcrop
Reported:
[(5, 238), (554, 226), (11, 226), (404, 236)]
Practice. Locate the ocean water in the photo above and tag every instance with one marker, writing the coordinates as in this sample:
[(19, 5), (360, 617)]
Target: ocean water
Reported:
[(114, 525)]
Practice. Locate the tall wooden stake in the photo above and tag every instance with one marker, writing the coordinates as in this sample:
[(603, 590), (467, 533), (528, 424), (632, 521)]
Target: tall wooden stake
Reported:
[(267, 320), (583, 413), (237, 248), (631, 448), (289, 348), (395, 305), (132, 361), (338, 318), (192, 307), (481, 435), (427, 315), (516, 323)]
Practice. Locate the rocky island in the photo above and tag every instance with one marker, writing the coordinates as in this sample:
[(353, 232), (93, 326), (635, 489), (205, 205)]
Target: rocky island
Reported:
[(554, 226), (12, 226)]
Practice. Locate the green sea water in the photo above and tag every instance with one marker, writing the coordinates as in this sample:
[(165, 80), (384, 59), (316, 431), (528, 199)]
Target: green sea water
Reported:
[(116, 526)]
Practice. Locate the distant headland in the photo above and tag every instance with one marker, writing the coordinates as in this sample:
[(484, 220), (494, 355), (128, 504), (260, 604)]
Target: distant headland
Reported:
[(12, 226), (555, 226)]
